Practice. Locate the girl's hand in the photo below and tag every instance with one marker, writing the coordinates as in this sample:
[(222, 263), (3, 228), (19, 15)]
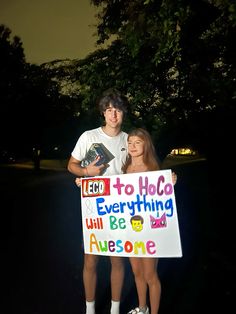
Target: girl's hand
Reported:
[(174, 177)]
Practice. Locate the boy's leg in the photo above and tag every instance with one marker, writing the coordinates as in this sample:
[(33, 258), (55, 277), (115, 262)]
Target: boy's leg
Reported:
[(90, 281), (117, 278)]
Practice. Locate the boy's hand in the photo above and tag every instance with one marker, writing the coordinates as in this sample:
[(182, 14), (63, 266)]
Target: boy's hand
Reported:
[(93, 170)]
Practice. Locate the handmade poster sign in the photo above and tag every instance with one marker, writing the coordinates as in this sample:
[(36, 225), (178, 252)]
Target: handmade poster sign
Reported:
[(130, 215)]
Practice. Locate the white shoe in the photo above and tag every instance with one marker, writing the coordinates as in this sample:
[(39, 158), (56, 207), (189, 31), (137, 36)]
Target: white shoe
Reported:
[(138, 310)]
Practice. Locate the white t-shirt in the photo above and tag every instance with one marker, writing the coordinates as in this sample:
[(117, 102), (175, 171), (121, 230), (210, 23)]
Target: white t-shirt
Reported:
[(117, 145)]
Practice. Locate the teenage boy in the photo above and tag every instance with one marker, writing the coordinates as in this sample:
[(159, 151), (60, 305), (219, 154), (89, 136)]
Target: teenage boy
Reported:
[(113, 107)]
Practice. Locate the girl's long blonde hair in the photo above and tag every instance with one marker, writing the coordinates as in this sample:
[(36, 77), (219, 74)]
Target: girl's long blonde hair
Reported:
[(150, 158)]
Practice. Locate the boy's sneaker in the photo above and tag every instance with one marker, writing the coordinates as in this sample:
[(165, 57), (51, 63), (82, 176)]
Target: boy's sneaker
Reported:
[(138, 310)]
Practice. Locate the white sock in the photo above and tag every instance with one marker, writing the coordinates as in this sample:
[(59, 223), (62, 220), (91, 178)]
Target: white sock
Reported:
[(115, 307), (90, 307)]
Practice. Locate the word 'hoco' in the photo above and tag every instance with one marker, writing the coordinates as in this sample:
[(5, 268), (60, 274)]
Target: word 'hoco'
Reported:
[(96, 187)]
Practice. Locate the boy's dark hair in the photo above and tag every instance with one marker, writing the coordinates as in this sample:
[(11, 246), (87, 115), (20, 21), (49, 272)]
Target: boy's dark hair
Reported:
[(112, 97)]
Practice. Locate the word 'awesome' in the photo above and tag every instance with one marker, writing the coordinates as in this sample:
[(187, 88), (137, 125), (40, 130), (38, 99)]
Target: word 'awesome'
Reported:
[(120, 246)]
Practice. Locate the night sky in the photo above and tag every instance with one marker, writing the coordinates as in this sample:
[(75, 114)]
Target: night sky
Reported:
[(51, 29)]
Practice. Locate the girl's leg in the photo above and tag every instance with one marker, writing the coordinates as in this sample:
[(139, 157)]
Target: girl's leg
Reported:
[(141, 285), (153, 282)]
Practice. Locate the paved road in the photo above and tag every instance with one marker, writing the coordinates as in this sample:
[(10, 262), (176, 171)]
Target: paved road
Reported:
[(43, 259)]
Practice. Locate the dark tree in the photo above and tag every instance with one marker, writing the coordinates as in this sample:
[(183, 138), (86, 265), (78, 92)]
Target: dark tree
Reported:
[(175, 61)]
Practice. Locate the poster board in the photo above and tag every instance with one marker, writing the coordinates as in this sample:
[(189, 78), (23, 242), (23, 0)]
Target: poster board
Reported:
[(130, 215)]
